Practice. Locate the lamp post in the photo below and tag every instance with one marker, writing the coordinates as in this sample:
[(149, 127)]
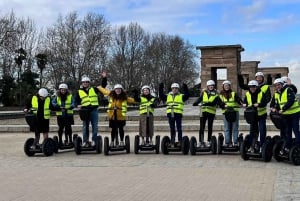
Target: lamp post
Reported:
[(41, 62), (20, 56)]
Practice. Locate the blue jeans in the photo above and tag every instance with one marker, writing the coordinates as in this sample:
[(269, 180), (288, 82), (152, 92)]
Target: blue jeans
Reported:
[(235, 130), (292, 124), (262, 129), (93, 118), (177, 120)]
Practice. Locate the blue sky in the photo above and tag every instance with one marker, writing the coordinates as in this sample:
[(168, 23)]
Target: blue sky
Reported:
[(267, 29)]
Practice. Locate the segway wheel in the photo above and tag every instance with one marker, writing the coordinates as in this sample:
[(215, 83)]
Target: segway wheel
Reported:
[(294, 154), (267, 151), (213, 145), (55, 139), (127, 144), (77, 145), (99, 144), (48, 147), (220, 143), (157, 143), (240, 139), (136, 144), (275, 139), (106, 146), (164, 144), (276, 150), (244, 148), (185, 145), (193, 145), (27, 145)]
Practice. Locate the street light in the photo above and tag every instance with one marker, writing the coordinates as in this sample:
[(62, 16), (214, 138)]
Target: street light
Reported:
[(41, 62)]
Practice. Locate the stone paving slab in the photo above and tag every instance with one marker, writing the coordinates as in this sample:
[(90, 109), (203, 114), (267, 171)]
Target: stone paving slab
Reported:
[(67, 176)]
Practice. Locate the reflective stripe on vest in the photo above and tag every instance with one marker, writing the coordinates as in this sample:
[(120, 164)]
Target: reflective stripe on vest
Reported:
[(175, 102), (67, 105), (111, 106), (205, 99), (35, 106), (260, 110), (88, 99), (230, 103), (146, 104), (283, 100)]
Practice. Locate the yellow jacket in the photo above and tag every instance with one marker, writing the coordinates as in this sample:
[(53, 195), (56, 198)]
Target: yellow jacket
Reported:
[(121, 114)]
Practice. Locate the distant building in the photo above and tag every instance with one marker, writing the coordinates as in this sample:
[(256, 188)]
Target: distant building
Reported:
[(224, 62)]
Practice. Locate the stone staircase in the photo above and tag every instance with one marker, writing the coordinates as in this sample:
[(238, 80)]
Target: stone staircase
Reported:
[(190, 123)]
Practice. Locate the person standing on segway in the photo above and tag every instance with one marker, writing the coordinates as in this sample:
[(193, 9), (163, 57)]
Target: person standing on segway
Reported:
[(175, 105), (86, 98), (230, 99), (117, 109), (147, 104), (210, 99), (284, 102), (255, 98), (64, 102), (41, 107)]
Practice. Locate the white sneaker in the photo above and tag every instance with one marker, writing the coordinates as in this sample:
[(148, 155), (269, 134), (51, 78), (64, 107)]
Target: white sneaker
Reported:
[(200, 144), (122, 143), (207, 144), (143, 142), (151, 142), (33, 146), (93, 143), (112, 144)]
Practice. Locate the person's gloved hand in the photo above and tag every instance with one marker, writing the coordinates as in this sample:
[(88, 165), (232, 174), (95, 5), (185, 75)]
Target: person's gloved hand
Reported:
[(152, 105), (195, 104)]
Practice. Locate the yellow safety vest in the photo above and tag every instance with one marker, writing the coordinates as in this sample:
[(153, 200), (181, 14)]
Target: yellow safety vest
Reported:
[(35, 106), (144, 104), (260, 110), (88, 99), (264, 88), (175, 102), (205, 99), (67, 105), (283, 100), (111, 106), (230, 103)]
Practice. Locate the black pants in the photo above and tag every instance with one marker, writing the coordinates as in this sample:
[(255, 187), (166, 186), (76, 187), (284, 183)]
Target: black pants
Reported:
[(65, 124), (117, 126), (210, 120)]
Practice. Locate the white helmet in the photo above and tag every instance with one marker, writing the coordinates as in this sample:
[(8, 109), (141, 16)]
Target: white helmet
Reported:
[(227, 82), (85, 79), (118, 86), (278, 81), (253, 83), (146, 87), (284, 79), (259, 74), (210, 82), (43, 92), (63, 86), (175, 85)]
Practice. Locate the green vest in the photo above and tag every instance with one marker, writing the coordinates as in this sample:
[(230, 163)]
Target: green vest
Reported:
[(283, 100), (264, 88), (144, 104), (67, 105), (88, 99), (35, 106), (260, 110), (175, 102), (230, 103), (205, 99)]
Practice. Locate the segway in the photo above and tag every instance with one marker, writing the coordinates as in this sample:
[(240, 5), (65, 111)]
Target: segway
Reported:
[(168, 146), (116, 147), (203, 148), (230, 115), (280, 151), (251, 148), (147, 146), (48, 145), (77, 140)]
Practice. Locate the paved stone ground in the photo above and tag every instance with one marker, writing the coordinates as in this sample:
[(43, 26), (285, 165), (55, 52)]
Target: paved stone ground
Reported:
[(66, 176)]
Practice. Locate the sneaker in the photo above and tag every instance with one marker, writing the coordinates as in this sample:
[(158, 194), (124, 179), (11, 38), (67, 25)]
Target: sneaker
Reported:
[(112, 144), (33, 146), (84, 144), (172, 145), (208, 144), (151, 142), (143, 142), (121, 143), (93, 143)]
